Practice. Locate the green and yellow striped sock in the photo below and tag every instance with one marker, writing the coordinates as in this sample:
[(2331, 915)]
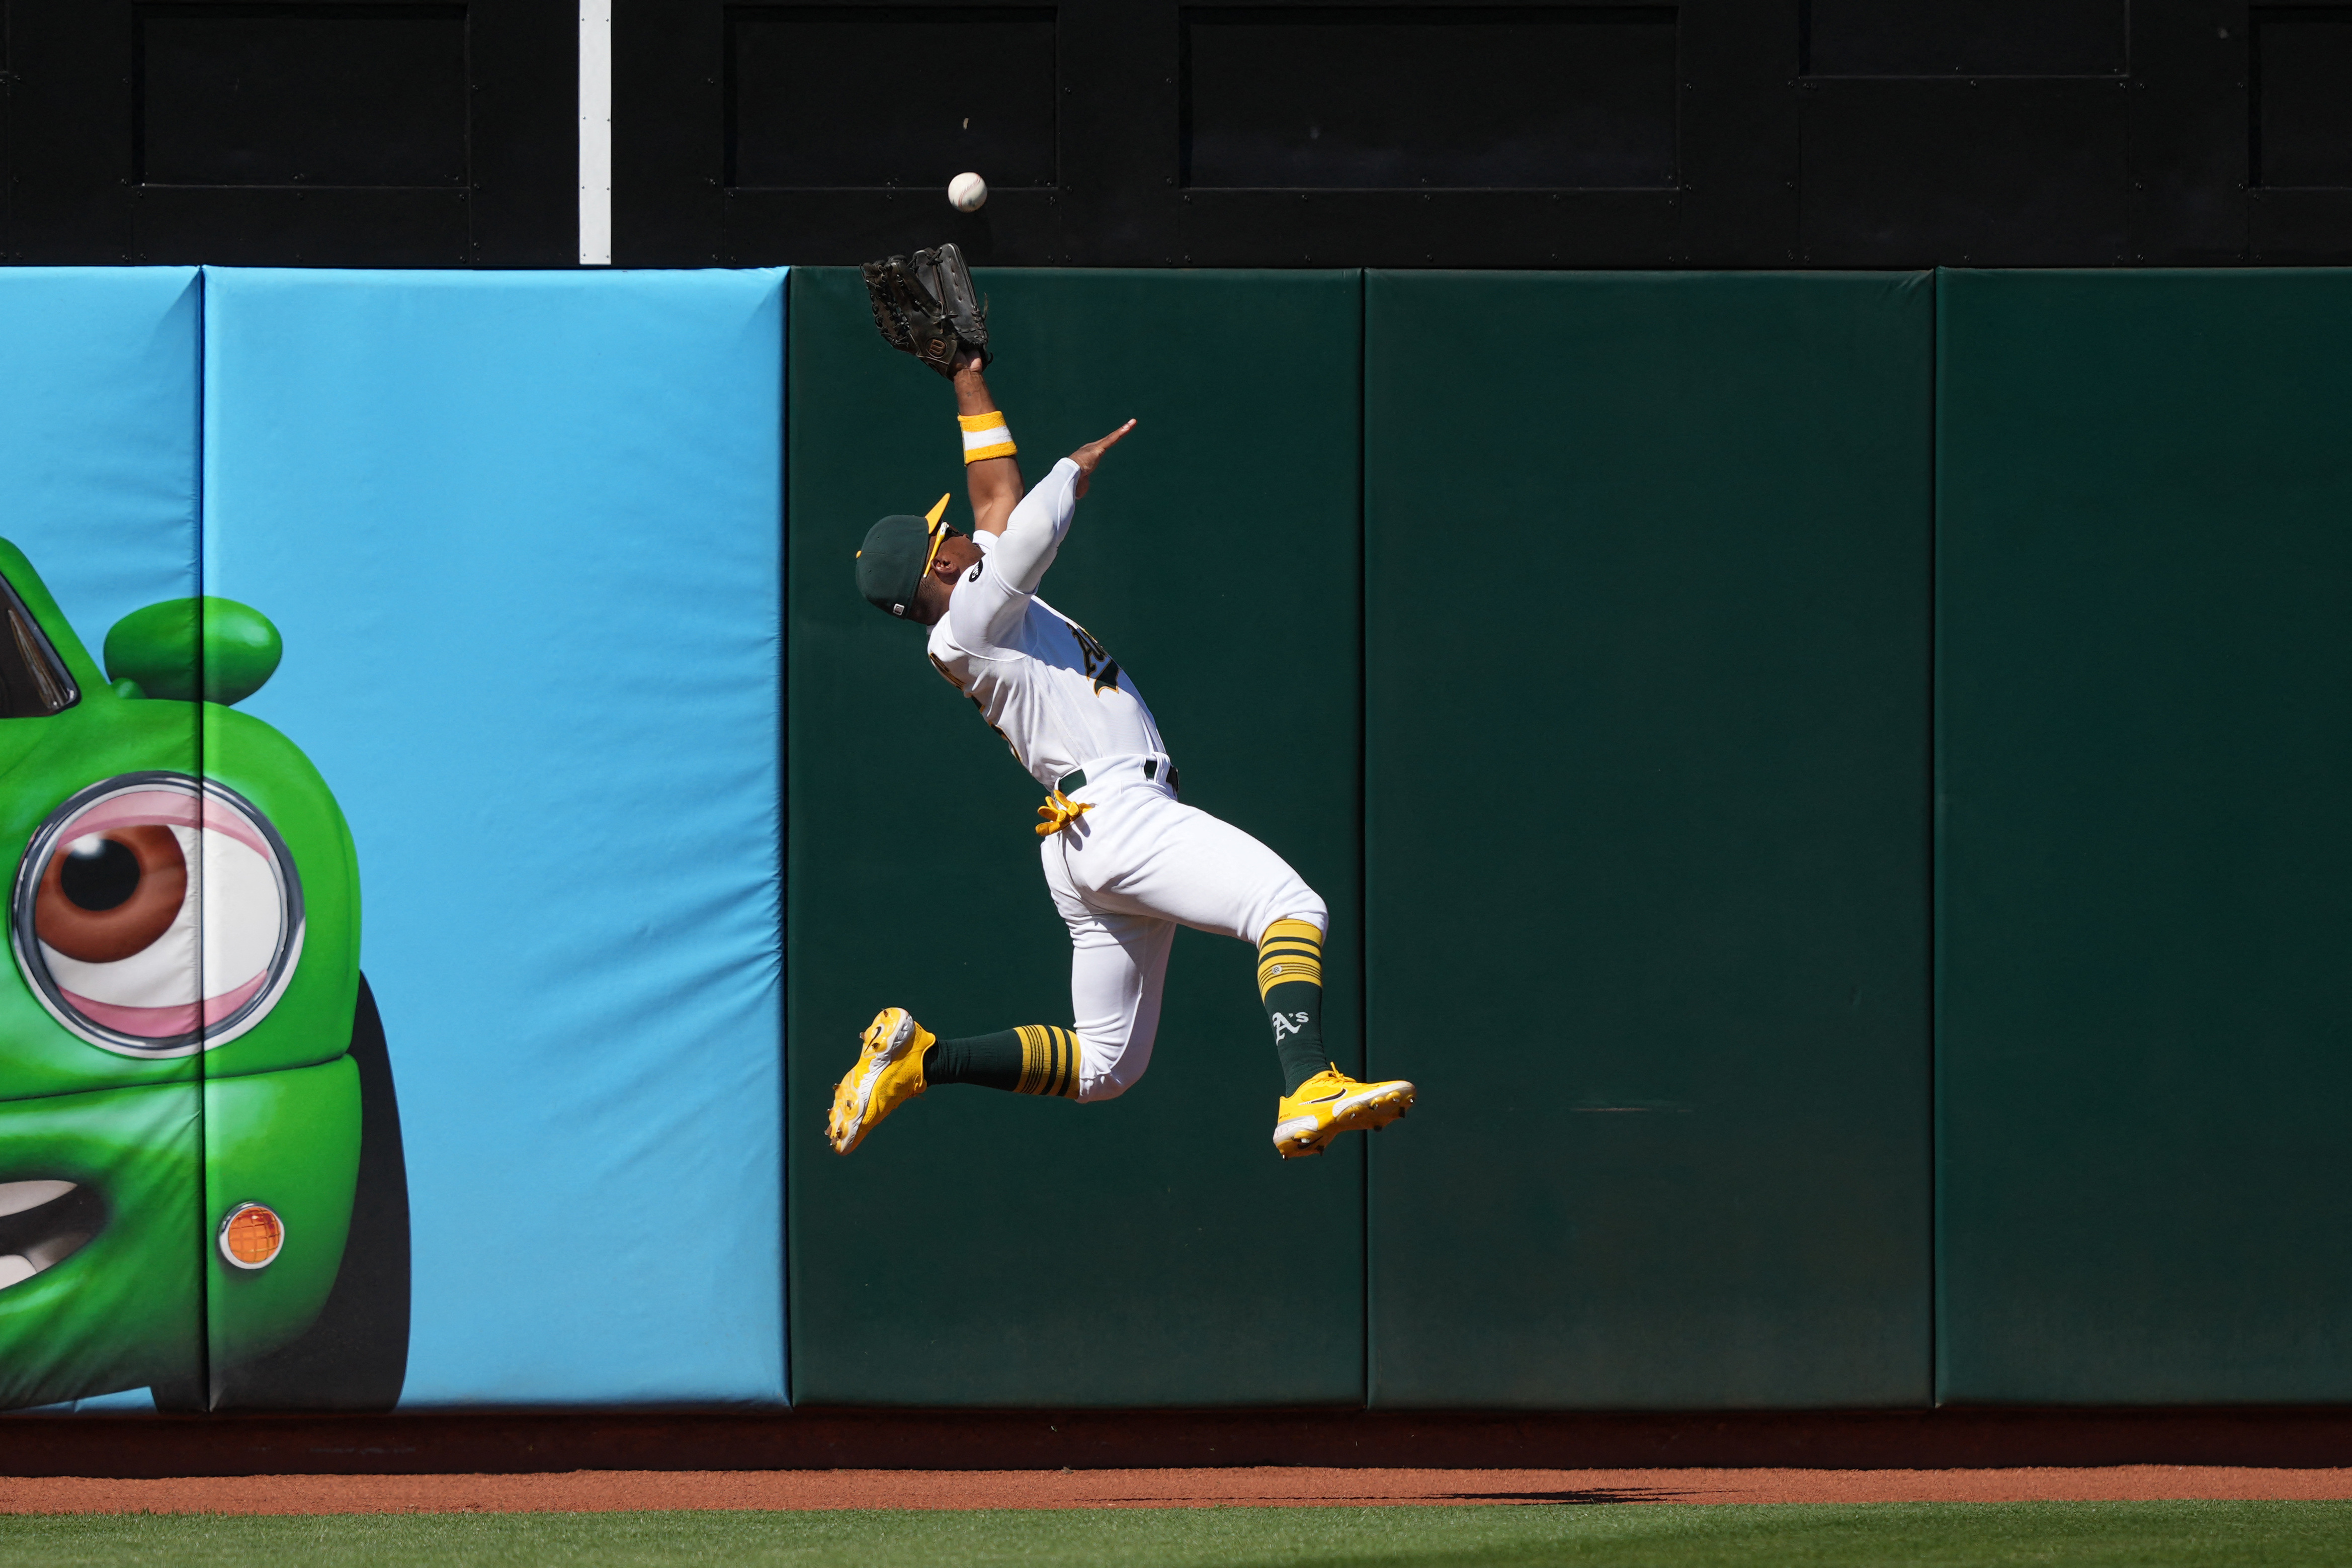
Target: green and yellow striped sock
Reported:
[(1049, 1061), (1034, 1059), (1290, 983)]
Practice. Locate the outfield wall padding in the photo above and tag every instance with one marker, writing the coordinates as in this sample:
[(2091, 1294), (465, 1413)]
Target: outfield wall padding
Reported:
[(99, 418), (520, 532), (988, 1249), (1831, 784), (1646, 770), (2146, 863)]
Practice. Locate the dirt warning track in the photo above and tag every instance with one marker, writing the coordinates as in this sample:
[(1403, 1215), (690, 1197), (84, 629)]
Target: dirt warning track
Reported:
[(1269, 1487)]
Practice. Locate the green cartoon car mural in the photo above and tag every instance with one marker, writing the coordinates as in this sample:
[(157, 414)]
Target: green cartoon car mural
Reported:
[(200, 1185)]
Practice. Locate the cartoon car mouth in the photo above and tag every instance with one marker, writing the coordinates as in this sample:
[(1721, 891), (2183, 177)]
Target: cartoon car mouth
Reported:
[(42, 1224)]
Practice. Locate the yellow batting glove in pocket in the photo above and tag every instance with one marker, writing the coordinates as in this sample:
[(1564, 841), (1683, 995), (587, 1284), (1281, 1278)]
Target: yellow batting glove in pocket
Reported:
[(1058, 812)]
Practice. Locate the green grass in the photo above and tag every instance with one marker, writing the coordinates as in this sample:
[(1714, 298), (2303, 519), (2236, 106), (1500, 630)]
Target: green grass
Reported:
[(2124, 1535)]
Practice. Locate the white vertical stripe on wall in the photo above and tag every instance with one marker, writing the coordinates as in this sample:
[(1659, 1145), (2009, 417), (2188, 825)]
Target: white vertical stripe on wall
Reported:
[(595, 132)]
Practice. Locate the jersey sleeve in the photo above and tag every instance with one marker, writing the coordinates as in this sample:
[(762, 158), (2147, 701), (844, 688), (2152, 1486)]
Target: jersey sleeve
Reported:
[(994, 594), (1036, 529)]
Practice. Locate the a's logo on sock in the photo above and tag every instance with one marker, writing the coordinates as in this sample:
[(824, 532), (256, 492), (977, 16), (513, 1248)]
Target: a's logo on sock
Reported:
[(1287, 1023)]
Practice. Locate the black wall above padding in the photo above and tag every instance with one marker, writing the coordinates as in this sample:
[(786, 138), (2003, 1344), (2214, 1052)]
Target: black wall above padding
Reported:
[(1716, 133), (299, 133), (1696, 134)]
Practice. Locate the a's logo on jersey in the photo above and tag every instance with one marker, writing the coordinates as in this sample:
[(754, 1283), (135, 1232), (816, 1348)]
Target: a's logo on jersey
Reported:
[(1101, 668)]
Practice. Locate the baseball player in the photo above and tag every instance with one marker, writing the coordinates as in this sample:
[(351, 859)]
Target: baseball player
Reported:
[(1125, 859)]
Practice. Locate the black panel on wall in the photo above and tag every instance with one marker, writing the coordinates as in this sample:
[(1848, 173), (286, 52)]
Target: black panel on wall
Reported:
[(2299, 133), (281, 94), (2302, 128), (320, 132), (804, 84), (1985, 37), (1523, 98)]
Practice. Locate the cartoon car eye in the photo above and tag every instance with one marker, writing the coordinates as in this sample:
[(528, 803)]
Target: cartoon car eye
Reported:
[(157, 915)]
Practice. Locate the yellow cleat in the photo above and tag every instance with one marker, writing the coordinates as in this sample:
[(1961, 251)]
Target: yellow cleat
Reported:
[(1330, 1104), (888, 1074)]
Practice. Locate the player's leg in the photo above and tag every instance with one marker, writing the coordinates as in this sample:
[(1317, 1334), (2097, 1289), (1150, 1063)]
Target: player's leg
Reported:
[(1118, 964), (898, 1058), (1028, 1058), (1146, 854), (1290, 988)]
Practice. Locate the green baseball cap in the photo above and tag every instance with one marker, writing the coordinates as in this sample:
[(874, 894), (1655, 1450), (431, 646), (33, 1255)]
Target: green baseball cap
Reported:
[(897, 555)]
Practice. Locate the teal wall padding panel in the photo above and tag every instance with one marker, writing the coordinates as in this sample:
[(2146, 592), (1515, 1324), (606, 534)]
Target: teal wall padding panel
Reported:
[(987, 1249), (2145, 1035), (98, 417), (522, 534), (1647, 740)]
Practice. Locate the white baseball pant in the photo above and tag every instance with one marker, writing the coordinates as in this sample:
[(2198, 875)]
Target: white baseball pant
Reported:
[(1125, 875)]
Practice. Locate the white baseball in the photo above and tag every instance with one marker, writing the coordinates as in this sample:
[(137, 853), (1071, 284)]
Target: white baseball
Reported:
[(969, 191)]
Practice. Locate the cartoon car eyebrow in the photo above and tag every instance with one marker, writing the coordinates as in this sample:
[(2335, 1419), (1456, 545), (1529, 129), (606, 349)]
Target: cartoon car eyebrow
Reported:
[(33, 682)]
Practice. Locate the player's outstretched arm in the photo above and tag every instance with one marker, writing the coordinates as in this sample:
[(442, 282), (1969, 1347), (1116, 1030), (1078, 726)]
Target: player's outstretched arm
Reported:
[(1035, 530), (1090, 456), (994, 483)]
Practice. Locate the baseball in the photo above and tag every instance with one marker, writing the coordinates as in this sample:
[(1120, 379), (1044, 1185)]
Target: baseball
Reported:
[(969, 191)]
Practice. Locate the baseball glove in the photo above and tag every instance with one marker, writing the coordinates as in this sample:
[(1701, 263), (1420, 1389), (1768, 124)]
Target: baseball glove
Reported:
[(925, 307)]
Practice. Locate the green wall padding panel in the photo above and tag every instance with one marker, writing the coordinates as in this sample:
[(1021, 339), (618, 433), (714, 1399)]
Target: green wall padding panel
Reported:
[(987, 1249), (1647, 729), (2145, 1029)]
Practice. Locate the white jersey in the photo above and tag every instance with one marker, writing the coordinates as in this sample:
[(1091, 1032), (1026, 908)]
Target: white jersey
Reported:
[(1055, 693)]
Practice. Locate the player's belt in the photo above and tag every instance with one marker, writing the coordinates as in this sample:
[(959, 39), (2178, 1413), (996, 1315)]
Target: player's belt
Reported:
[(1077, 779)]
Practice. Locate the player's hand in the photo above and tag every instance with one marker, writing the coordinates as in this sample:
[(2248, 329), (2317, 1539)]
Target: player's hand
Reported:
[(1091, 454)]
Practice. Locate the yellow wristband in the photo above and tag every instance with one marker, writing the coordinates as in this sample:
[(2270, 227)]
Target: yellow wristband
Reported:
[(985, 436)]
